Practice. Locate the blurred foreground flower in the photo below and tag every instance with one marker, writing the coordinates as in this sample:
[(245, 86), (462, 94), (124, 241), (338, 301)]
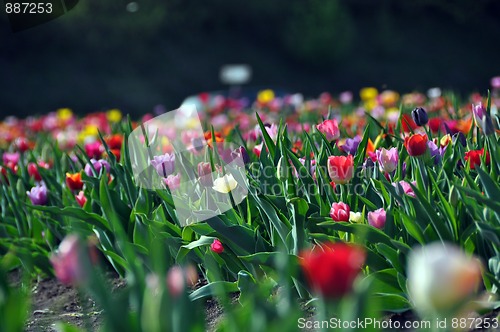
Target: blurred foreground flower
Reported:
[(178, 278), (332, 268), (340, 168), (70, 263), (441, 278), (225, 184)]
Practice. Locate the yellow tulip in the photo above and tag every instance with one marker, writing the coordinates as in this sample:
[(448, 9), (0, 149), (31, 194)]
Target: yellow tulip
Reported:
[(265, 96), (368, 93), (64, 114), (114, 115)]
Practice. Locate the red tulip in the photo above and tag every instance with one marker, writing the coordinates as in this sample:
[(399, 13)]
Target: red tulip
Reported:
[(74, 181), (416, 145), (474, 157), (114, 141), (407, 123), (22, 144), (340, 211), (3, 175), (340, 168), (332, 269)]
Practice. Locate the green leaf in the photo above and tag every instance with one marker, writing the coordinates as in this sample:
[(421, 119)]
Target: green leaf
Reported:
[(265, 258), (70, 211), (213, 289)]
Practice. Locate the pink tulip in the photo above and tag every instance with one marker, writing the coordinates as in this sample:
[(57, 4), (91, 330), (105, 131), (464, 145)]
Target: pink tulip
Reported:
[(217, 247), (377, 218), (387, 159), (406, 187), (67, 263), (340, 211), (173, 181), (330, 129)]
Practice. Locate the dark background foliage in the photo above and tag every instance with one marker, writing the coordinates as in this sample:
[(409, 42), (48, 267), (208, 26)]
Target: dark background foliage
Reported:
[(99, 55)]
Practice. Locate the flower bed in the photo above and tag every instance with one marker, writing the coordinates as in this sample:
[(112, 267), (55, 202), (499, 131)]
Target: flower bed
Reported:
[(358, 209)]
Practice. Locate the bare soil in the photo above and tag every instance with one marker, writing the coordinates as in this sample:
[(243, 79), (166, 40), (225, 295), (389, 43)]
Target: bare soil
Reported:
[(52, 302)]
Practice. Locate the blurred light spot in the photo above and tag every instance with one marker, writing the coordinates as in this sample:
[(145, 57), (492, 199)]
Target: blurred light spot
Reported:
[(132, 7)]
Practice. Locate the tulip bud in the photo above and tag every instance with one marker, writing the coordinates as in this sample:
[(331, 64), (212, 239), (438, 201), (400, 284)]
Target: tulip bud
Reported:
[(281, 170), (460, 137), (205, 174), (419, 115), (217, 247)]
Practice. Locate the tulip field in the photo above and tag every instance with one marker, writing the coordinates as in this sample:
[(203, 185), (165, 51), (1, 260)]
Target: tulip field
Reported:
[(339, 212)]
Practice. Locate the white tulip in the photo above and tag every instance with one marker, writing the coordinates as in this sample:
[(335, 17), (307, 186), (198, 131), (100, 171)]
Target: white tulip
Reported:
[(441, 277), (225, 184)]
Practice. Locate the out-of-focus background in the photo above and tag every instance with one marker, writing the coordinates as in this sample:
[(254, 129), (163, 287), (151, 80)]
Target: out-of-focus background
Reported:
[(135, 55)]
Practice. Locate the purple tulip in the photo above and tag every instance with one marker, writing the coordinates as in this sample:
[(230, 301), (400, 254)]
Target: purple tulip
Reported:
[(351, 145), (419, 115), (345, 97), (483, 119), (241, 152), (495, 82), (164, 164), (377, 218), (436, 152), (98, 165), (38, 195), (387, 159)]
